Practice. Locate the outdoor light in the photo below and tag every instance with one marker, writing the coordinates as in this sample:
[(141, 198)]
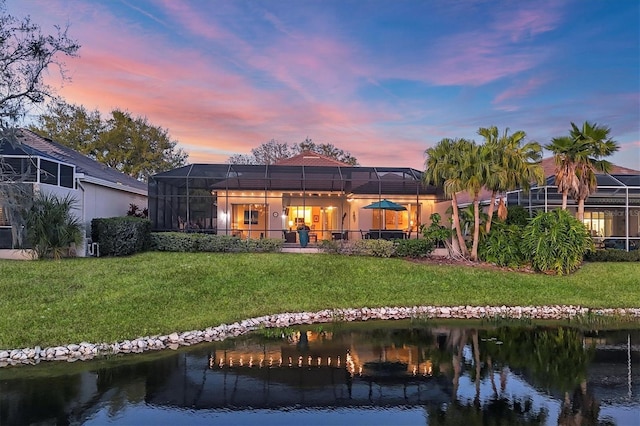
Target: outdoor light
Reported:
[(290, 224)]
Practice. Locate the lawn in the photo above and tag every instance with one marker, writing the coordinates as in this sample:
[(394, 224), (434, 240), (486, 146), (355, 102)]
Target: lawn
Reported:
[(111, 299)]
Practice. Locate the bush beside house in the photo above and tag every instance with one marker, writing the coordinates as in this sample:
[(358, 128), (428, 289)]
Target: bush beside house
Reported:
[(194, 242), (121, 236)]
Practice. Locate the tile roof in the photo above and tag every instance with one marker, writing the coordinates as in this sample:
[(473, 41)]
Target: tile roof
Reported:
[(549, 167), (308, 158), (83, 163)]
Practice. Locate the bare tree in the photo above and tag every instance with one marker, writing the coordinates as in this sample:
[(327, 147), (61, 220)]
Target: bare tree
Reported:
[(273, 151)]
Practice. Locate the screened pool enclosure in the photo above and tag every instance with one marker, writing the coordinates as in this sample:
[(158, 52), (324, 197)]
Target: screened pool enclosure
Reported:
[(258, 201), (612, 213)]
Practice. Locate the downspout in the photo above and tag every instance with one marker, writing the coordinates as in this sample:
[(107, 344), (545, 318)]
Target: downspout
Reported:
[(84, 212)]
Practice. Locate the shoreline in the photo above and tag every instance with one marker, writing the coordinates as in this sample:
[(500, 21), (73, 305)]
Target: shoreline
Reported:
[(85, 351)]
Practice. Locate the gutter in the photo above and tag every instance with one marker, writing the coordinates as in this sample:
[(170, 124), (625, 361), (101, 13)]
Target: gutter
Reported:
[(113, 185)]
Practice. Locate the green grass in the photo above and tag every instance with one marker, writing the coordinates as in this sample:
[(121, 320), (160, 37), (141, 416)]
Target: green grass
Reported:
[(103, 300)]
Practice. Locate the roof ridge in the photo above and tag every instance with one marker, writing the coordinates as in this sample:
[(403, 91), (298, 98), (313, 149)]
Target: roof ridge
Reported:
[(299, 160), (83, 163)]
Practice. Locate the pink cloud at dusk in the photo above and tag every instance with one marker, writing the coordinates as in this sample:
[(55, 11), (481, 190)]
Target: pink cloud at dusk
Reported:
[(379, 81), (475, 59), (519, 90), (533, 19)]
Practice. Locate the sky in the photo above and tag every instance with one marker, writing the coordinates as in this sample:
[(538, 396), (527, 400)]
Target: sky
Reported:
[(381, 79)]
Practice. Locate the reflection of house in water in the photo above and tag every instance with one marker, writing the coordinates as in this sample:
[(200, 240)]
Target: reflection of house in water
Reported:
[(369, 368), (301, 373), (614, 373)]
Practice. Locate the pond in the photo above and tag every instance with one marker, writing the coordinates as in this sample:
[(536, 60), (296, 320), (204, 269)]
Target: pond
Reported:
[(378, 372)]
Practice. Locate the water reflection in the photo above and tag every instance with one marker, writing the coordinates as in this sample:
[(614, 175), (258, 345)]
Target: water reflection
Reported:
[(415, 372)]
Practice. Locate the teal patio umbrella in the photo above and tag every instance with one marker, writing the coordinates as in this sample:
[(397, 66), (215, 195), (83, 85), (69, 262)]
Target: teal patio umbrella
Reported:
[(385, 205)]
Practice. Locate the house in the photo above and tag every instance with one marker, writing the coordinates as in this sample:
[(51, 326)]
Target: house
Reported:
[(612, 213), (260, 201), (42, 165)]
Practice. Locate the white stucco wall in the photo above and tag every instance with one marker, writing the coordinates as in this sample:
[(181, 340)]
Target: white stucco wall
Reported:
[(96, 201), (100, 201)]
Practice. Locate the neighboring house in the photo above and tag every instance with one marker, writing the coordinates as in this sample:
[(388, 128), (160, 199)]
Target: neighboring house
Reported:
[(259, 201), (612, 213), (48, 167)]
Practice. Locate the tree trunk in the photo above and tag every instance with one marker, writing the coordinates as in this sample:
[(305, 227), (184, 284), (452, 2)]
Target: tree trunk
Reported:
[(491, 207), (476, 360), (581, 210), (476, 229), (565, 195), (456, 224)]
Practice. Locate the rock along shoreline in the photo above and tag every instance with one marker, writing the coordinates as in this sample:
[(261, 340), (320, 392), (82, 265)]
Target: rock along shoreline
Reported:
[(87, 351)]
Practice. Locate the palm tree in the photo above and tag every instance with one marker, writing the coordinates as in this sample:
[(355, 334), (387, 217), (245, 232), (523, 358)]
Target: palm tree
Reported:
[(442, 168), (51, 225), (474, 171), (565, 152), (599, 145), (459, 165), (579, 157), (513, 165)]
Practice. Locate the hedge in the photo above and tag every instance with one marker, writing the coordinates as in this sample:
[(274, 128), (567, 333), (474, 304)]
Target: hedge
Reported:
[(197, 242), (121, 236), (613, 255)]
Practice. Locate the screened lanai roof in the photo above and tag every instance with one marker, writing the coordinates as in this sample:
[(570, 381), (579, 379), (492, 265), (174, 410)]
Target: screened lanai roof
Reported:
[(612, 180), (613, 189), (356, 180)]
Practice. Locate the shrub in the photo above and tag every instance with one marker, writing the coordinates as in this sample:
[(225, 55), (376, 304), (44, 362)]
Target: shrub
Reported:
[(215, 243), (435, 232), (381, 248), (121, 236), (174, 241), (613, 255), (135, 211), (270, 245), (330, 246), (517, 215), (556, 242), (377, 248), (193, 242), (51, 228), (414, 248), (502, 245)]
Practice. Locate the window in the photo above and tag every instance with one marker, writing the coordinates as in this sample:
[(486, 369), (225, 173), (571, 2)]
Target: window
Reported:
[(66, 176), (389, 219), (23, 168), (48, 172), (249, 220)]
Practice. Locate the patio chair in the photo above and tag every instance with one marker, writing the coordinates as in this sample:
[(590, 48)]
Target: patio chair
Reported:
[(289, 237)]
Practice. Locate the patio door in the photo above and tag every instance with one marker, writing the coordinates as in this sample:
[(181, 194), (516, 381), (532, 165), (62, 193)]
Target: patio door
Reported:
[(249, 220), (389, 219)]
